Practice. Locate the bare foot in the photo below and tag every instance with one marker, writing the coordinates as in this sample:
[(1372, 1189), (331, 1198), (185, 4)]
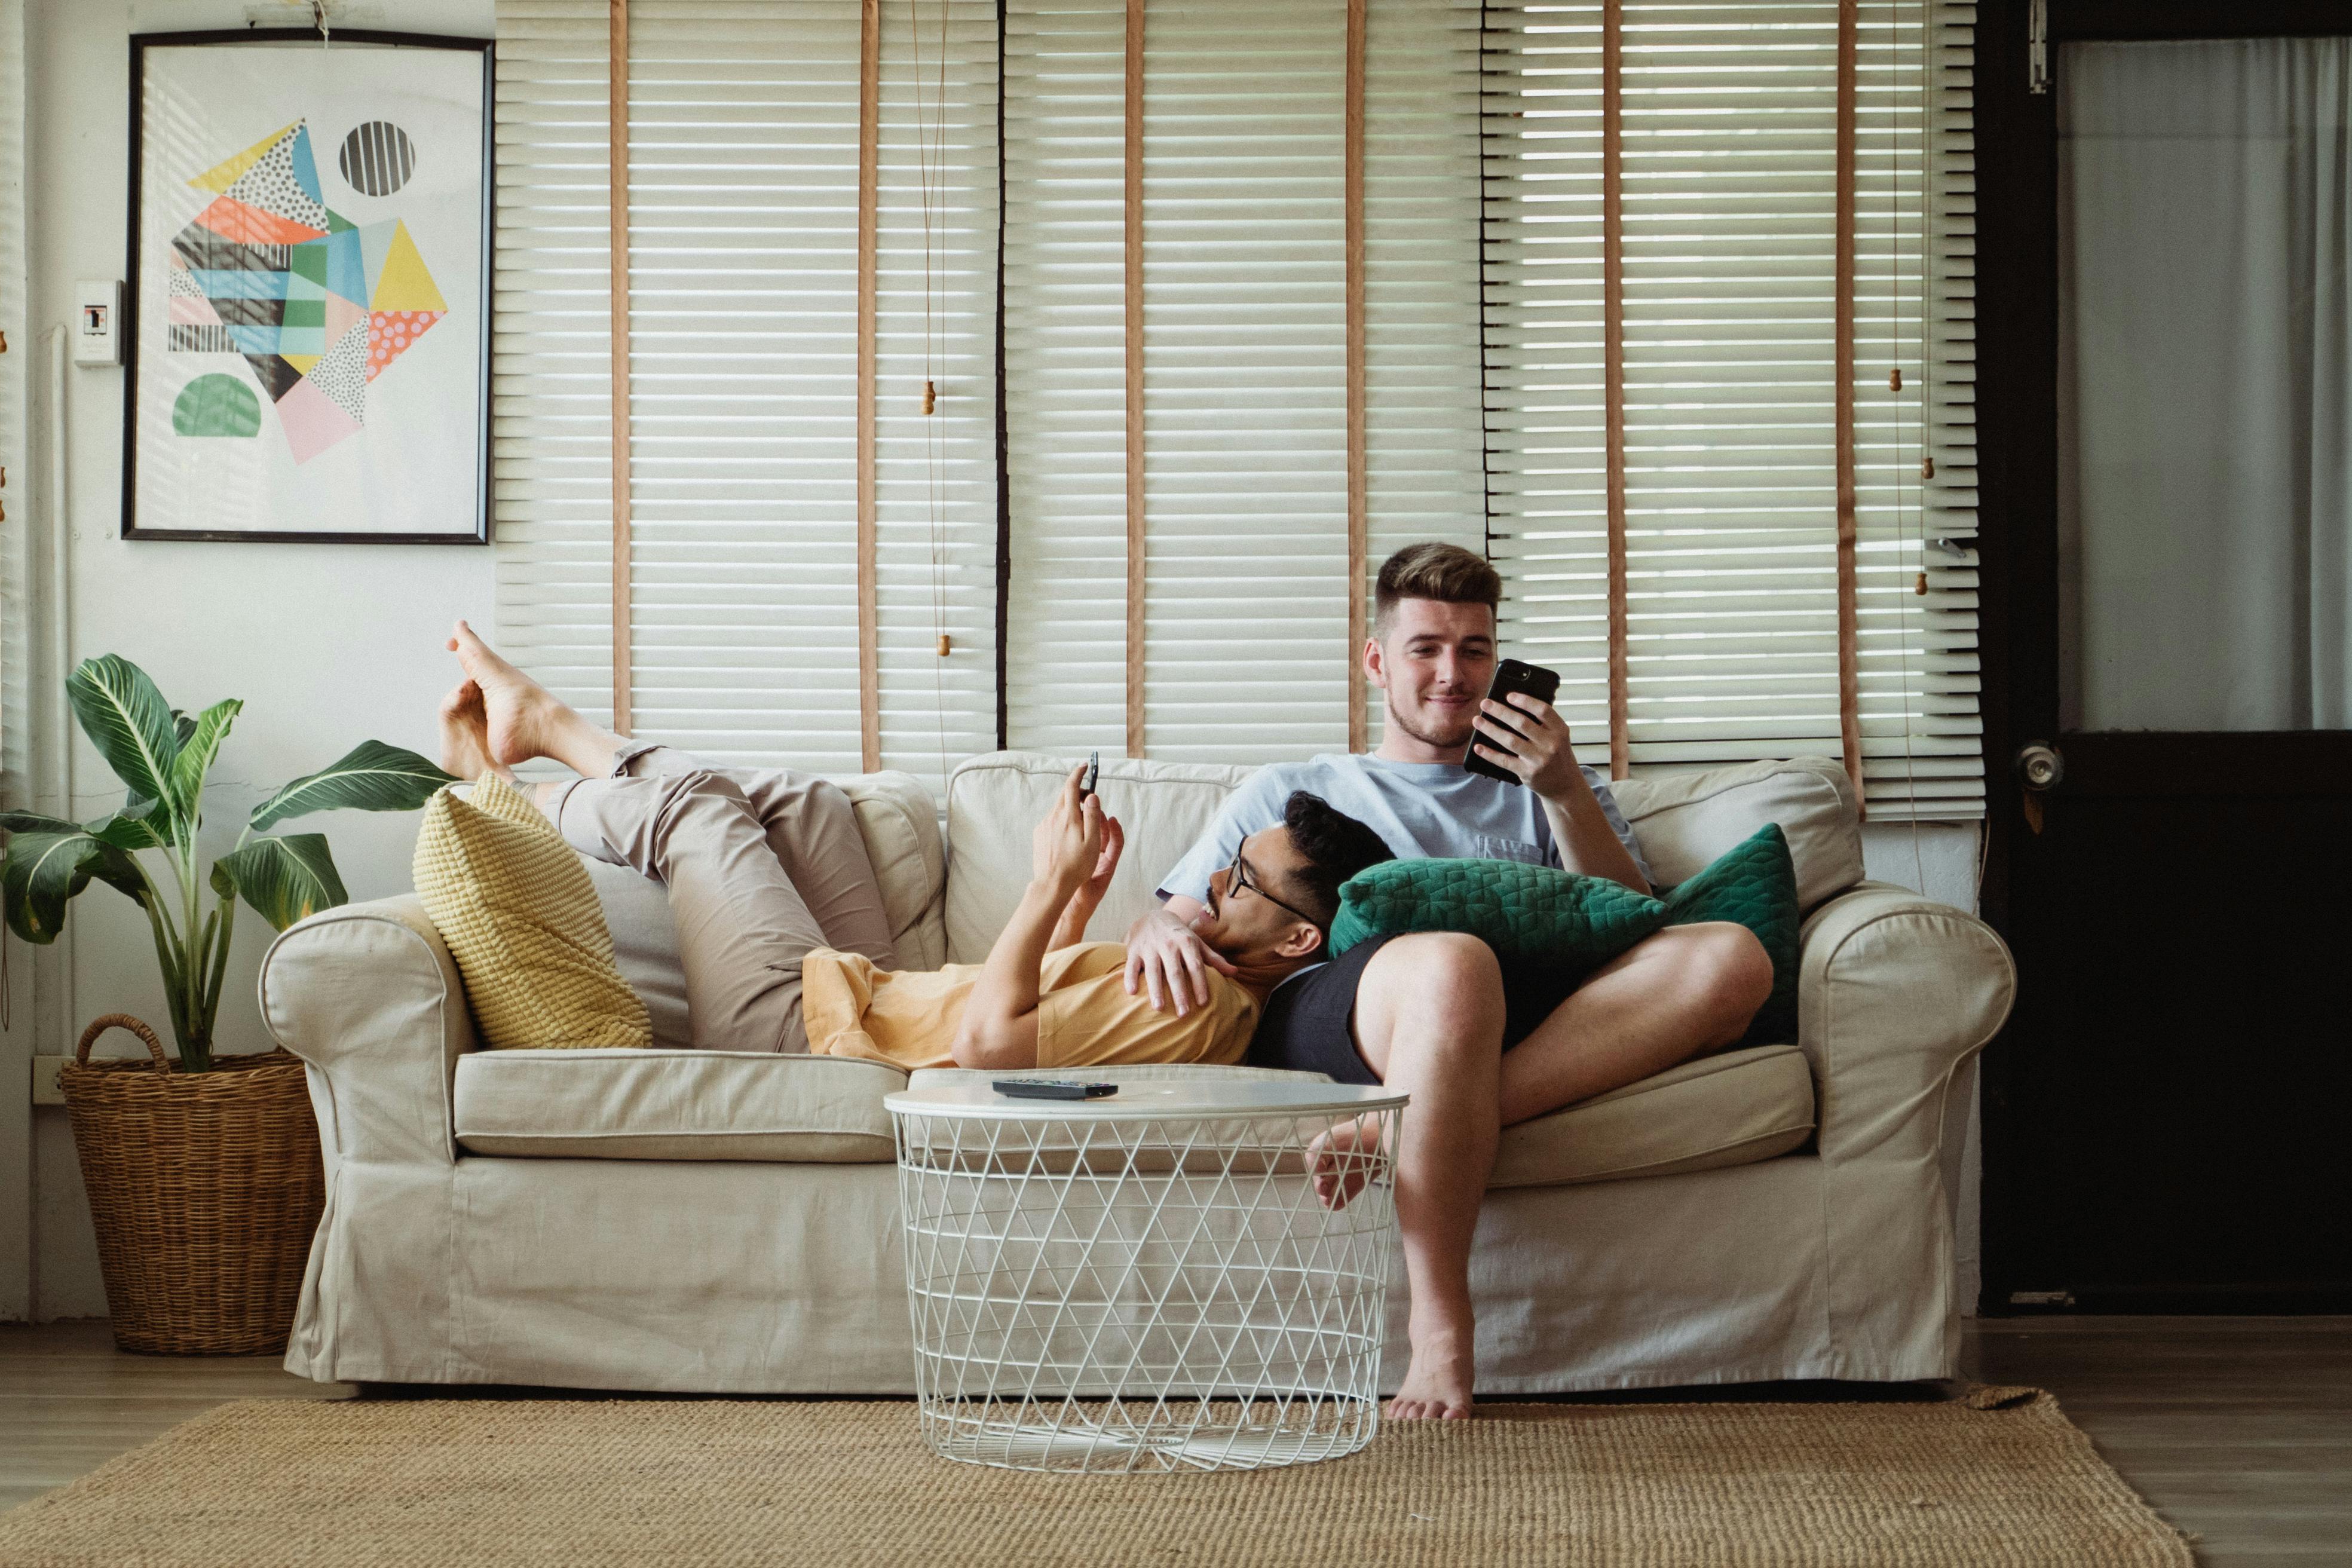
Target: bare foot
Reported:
[(464, 734), (517, 711), (1437, 1383), (1342, 1160)]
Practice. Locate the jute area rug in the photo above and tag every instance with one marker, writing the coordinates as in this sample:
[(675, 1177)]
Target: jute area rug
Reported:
[(1997, 1477)]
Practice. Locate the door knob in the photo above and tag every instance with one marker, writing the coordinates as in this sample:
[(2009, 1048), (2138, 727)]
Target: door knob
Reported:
[(2040, 766)]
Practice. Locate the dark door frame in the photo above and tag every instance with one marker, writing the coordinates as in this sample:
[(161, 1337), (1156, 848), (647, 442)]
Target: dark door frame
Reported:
[(2016, 440)]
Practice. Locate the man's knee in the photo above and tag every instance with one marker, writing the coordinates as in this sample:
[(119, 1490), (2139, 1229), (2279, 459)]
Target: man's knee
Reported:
[(1730, 973), (1441, 967), (1444, 986), (700, 789)]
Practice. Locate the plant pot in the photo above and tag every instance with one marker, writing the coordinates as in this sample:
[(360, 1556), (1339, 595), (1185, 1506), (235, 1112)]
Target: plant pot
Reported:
[(206, 1189)]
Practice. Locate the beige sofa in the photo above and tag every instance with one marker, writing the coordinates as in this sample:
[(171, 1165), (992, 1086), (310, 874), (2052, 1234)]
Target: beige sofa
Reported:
[(682, 1220)]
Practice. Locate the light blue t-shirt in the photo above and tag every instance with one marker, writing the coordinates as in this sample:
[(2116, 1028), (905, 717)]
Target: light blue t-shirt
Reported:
[(1429, 810)]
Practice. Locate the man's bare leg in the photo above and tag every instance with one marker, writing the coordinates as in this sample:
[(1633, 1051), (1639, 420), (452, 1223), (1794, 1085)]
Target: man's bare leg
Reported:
[(1670, 997), (1429, 1021), (524, 720)]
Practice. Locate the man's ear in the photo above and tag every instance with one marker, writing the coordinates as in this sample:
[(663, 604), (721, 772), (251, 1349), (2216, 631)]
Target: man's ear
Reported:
[(1299, 941), (1376, 663)]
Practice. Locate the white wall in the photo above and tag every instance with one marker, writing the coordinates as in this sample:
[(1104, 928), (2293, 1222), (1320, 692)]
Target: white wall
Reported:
[(327, 644)]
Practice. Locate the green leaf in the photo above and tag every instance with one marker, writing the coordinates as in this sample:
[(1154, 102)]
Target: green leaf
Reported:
[(200, 742), (286, 880), (46, 866), (128, 722), (132, 828), (183, 725), (374, 777), (33, 822), (223, 882)]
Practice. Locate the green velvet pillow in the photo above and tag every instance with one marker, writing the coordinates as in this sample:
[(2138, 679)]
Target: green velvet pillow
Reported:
[(1522, 912), (1754, 883)]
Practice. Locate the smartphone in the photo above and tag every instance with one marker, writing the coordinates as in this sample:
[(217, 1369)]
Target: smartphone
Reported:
[(1093, 771), (1050, 1089), (1511, 676)]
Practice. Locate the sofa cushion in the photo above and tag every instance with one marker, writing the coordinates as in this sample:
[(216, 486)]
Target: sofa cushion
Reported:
[(994, 801), (1754, 884), (521, 918), (1730, 1109), (1685, 820), (676, 1105), (1573, 924), (901, 824)]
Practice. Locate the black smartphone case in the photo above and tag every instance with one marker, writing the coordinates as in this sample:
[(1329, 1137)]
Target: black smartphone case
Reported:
[(1511, 676)]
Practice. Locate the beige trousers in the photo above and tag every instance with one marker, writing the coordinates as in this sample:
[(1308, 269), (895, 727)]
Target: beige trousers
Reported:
[(759, 867)]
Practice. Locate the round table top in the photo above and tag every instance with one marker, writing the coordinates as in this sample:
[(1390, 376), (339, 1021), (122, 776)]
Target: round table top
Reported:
[(1153, 1098)]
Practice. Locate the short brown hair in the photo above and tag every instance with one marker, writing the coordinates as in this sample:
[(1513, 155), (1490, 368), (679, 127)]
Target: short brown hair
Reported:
[(1446, 573)]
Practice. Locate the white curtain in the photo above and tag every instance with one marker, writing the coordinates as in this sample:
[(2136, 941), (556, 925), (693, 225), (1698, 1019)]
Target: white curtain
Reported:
[(2205, 385)]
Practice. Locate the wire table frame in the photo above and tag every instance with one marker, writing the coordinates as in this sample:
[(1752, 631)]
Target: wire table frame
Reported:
[(1148, 1281)]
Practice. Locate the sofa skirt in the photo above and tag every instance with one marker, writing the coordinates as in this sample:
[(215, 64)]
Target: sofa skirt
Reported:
[(715, 1278)]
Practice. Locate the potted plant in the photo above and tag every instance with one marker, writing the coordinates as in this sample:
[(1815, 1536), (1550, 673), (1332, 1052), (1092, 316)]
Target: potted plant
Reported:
[(203, 1172)]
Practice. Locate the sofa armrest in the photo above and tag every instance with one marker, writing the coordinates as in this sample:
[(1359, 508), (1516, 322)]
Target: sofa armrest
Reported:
[(368, 996), (1895, 993)]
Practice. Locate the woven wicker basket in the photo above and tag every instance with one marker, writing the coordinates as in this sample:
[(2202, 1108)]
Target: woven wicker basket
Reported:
[(205, 1188)]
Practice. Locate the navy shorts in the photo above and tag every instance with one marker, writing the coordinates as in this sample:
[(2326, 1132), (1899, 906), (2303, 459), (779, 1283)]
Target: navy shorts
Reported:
[(1307, 1024)]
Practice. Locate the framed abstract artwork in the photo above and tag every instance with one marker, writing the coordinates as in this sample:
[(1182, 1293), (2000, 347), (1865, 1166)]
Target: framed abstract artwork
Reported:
[(308, 324)]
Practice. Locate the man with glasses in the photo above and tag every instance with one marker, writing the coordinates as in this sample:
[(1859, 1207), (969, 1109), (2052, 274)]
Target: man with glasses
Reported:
[(1476, 1044)]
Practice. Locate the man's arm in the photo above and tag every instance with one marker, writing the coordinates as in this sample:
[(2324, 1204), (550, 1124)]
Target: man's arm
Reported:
[(1000, 1018), (1541, 755), (1165, 959)]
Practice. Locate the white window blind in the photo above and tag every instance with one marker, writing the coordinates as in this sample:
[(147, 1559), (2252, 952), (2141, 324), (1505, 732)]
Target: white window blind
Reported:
[(743, 188), (1728, 191), (1064, 369), (1246, 649), (1423, 436)]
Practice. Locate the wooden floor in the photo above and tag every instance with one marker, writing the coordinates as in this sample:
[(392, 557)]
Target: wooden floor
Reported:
[(2239, 1429)]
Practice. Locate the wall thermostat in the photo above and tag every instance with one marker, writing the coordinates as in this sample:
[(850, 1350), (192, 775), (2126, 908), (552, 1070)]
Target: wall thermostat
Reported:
[(97, 323)]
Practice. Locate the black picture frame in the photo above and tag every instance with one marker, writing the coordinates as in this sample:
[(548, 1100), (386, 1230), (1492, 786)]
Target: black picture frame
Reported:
[(128, 328)]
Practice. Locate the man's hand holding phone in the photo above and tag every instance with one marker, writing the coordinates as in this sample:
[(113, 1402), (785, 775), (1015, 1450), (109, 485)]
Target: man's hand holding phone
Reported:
[(1527, 738), (1067, 847), (1074, 853)]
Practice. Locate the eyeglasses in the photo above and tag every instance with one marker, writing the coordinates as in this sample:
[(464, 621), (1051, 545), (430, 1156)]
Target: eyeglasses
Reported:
[(1238, 880)]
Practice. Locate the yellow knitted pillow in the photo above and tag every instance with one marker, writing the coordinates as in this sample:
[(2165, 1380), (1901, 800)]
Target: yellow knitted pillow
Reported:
[(521, 917)]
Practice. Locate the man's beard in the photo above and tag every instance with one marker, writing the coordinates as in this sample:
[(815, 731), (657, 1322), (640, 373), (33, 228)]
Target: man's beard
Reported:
[(1443, 743)]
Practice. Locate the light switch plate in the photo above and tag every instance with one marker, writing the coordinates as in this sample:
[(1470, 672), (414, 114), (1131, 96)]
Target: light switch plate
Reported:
[(45, 1081), (97, 323)]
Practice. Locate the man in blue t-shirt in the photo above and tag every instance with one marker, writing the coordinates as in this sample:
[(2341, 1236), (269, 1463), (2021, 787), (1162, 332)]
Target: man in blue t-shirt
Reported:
[(1477, 1044)]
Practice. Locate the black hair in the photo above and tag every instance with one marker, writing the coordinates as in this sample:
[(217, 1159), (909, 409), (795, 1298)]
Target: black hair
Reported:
[(1334, 846)]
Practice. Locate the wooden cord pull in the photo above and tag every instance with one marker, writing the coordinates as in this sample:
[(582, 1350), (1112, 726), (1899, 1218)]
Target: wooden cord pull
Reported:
[(1920, 587), (1895, 379), (944, 644), (930, 398), (1926, 468)]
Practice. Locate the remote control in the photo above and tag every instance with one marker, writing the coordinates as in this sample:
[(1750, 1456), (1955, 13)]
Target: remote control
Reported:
[(1051, 1089)]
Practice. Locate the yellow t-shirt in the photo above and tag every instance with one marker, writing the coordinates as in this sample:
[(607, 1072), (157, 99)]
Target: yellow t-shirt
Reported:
[(1085, 1016)]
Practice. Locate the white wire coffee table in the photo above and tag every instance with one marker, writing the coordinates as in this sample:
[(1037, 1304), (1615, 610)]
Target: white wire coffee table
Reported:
[(1146, 1281)]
